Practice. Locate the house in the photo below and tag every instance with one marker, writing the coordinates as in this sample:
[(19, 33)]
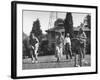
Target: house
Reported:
[(59, 28), (52, 32)]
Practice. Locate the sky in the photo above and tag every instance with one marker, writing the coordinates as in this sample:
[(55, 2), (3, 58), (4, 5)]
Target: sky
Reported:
[(30, 16)]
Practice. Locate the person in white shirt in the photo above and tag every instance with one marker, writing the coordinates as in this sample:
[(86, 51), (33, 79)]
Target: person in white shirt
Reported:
[(67, 43)]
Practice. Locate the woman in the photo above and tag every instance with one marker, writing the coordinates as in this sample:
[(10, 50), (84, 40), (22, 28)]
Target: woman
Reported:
[(34, 42), (58, 44)]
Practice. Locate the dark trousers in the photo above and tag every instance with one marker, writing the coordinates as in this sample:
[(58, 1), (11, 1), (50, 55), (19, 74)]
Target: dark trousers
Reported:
[(83, 46), (68, 51)]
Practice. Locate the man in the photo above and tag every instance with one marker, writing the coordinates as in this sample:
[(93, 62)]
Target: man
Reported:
[(67, 43), (34, 46), (82, 37)]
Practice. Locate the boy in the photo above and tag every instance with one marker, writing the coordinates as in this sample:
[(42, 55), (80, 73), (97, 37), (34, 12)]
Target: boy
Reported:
[(82, 36)]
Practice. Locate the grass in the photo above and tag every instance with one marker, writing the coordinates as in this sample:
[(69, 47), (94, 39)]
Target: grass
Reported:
[(50, 62)]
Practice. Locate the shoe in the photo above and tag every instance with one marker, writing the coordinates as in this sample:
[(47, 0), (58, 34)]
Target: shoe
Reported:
[(36, 61), (33, 61), (86, 63), (77, 65)]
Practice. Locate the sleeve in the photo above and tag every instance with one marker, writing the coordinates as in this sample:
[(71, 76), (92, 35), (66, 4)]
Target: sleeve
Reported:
[(84, 35), (70, 41), (64, 41), (37, 40)]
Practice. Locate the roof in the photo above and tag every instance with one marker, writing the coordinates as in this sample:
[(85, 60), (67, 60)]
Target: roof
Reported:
[(84, 29), (61, 29), (56, 29)]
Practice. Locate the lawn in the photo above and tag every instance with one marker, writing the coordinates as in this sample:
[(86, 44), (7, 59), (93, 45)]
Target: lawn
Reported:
[(50, 62)]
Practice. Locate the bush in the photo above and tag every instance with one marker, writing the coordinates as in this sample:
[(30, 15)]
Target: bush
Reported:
[(45, 49)]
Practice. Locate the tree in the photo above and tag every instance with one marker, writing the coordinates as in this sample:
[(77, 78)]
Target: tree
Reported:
[(36, 29), (25, 45), (68, 24), (88, 21)]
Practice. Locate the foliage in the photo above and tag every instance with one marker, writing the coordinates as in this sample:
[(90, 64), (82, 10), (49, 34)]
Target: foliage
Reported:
[(36, 29), (88, 18), (44, 48), (26, 47)]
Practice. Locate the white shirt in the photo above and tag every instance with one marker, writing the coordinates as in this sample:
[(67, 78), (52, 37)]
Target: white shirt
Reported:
[(67, 40)]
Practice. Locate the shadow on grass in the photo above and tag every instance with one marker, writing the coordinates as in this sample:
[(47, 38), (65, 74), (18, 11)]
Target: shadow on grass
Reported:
[(48, 62)]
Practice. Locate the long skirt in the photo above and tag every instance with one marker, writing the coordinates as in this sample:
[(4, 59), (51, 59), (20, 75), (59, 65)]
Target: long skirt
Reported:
[(59, 51)]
